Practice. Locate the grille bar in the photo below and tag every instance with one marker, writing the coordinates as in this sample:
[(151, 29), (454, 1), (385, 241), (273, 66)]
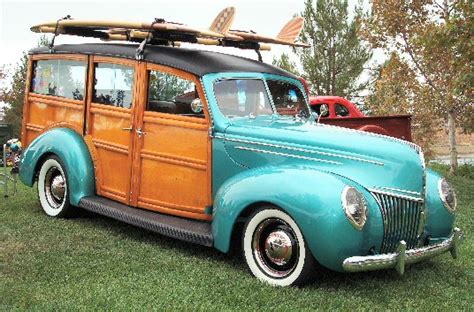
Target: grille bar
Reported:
[(401, 218)]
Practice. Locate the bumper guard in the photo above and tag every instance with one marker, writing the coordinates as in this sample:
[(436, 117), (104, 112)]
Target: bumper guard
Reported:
[(403, 257)]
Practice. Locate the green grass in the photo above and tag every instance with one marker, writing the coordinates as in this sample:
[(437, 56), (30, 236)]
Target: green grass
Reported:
[(92, 262)]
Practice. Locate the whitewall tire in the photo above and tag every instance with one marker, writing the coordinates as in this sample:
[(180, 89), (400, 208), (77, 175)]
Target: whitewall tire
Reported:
[(275, 250), (53, 188)]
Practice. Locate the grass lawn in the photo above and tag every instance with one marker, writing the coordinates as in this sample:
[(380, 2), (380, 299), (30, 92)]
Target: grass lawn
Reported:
[(92, 262)]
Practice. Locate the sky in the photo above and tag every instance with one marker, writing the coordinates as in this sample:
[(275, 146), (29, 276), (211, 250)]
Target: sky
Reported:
[(263, 16)]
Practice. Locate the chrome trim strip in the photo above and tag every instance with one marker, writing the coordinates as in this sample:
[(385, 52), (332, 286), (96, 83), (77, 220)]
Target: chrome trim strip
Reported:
[(399, 190), (286, 155), (401, 258), (416, 199), (298, 149)]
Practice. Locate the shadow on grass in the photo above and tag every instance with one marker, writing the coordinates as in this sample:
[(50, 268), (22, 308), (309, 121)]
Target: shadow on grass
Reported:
[(324, 278)]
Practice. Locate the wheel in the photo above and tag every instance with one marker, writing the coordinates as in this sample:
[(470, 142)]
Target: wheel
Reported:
[(275, 250), (53, 190)]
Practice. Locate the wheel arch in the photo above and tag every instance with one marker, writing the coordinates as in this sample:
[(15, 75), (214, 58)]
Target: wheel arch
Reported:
[(275, 186), (73, 152)]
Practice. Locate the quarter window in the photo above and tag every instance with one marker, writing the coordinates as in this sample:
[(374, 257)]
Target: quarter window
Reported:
[(63, 78), (113, 85), (341, 110), (171, 94)]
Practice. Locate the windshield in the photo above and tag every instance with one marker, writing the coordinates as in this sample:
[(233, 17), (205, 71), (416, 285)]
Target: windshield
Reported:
[(249, 97)]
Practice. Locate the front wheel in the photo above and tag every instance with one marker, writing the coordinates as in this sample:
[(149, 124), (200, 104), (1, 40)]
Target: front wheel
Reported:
[(275, 250), (53, 190)]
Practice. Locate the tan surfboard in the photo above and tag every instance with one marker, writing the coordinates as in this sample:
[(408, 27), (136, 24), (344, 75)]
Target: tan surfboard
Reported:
[(162, 32), (64, 25)]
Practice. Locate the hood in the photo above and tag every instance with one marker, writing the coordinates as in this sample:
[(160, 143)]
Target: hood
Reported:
[(376, 162)]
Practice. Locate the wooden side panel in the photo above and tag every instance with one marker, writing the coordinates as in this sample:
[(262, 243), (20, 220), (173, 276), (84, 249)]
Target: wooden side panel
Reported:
[(173, 171), (110, 130), (42, 112), (113, 149)]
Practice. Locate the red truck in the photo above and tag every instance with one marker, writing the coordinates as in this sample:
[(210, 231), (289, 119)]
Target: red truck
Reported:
[(337, 111)]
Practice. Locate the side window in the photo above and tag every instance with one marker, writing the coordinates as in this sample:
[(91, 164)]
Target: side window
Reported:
[(113, 85), (321, 109), (341, 110), (287, 98), (61, 78), (171, 94), (242, 97)]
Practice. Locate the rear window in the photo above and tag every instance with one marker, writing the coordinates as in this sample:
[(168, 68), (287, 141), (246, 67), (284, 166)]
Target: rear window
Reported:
[(62, 78)]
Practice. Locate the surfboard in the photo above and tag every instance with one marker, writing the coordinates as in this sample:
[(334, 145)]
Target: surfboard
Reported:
[(64, 25), (287, 36), (162, 32)]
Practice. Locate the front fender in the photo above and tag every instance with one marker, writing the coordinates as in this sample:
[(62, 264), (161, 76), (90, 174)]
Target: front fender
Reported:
[(73, 152), (439, 221), (312, 198)]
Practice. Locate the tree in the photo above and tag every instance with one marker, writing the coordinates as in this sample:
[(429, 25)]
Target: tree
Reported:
[(14, 95), (434, 39), (336, 59), (397, 91), (285, 63)]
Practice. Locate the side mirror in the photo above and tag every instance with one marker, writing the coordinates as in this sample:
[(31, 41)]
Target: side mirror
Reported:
[(196, 106)]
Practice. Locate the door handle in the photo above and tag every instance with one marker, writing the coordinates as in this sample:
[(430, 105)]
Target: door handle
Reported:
[(140, 132), (128, 129)]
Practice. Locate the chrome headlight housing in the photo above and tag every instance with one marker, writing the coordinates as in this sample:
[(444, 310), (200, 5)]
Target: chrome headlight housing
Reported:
[(447, 195), (354, 206)]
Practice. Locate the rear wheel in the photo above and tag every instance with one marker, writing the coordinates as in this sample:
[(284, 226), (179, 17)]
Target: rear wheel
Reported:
[(53, 188), (275, 250)]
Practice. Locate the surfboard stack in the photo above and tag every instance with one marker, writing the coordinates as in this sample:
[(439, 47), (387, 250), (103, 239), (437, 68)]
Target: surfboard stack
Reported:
[(161, 32)]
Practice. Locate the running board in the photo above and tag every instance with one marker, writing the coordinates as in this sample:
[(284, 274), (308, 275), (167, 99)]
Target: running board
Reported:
[(198, 232)]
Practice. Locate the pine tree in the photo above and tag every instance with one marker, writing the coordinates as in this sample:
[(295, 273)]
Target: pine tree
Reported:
[(336, 59), (285, 63)]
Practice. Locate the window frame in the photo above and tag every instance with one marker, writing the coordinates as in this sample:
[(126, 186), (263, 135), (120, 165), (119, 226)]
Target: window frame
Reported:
[(180, 74), (52, 57), (116, 61)]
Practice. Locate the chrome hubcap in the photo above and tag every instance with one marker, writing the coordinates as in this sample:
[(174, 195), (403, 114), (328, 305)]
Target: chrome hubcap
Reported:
[(275, 248), (278, 247), (55, 187)]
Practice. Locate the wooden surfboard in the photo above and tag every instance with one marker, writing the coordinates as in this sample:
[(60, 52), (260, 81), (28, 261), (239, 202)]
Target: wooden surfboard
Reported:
[(287, 36)]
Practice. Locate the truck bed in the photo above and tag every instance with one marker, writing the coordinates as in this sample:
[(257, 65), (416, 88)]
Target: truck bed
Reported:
[(398, 126)]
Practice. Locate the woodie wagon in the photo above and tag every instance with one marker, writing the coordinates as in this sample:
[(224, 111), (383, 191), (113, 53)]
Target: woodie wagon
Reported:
[(204, 146)]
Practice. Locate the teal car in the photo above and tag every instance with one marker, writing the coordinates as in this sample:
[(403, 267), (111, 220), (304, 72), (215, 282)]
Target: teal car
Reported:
[(294, 192)]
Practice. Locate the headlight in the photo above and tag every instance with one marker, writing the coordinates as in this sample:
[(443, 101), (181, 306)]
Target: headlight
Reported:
[(447, 195), (354, 206)]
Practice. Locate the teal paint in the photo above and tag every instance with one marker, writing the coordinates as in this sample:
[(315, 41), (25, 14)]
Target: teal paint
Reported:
[(439, 221), (302, 167), (73, 152)]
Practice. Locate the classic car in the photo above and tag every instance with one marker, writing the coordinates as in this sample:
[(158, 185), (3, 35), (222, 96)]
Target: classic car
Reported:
[(338, 111), (204, 147)]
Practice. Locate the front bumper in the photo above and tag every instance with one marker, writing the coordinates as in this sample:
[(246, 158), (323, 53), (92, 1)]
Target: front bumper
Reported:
[(402, 257)]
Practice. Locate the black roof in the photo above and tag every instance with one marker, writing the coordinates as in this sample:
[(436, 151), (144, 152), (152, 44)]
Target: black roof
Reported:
[(197, 62)]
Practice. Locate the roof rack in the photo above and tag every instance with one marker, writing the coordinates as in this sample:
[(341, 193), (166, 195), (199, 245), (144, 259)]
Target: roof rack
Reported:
[(161, 32)]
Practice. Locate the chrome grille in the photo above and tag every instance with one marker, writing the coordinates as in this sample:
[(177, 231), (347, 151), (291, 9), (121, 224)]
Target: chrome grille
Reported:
[(401, 219)]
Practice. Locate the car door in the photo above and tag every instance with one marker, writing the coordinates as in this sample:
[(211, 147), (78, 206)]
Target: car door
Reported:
[(110, 124), (171, 172)]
